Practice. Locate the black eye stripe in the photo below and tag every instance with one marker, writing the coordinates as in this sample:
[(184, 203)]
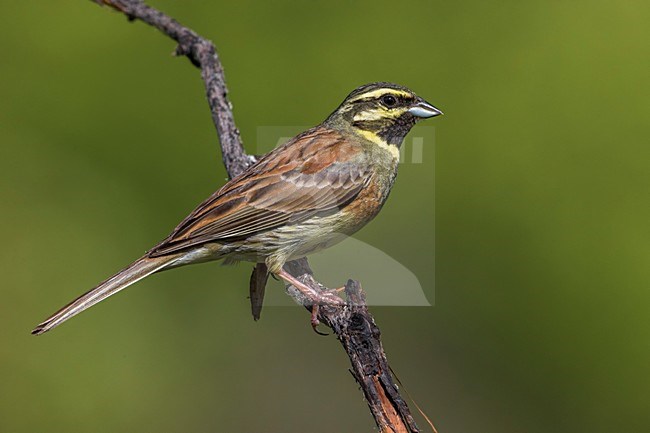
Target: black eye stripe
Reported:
[(401, 99)]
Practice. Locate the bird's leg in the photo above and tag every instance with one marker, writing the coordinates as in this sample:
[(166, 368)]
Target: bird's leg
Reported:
[(325, 297), (316, 298)]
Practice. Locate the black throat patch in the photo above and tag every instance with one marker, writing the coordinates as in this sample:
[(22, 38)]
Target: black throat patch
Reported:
[(395, 132), (392, 131)]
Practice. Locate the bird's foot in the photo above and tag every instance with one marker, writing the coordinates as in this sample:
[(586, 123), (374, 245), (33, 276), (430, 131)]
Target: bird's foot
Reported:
[(316, 298), (336, 291), (314, 320)]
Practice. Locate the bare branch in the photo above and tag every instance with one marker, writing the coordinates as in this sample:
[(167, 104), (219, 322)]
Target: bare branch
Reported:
[(201, 53), (352, 323), (357, 331)]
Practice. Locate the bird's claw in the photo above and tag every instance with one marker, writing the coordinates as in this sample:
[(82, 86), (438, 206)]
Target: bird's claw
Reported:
[(314, 320)]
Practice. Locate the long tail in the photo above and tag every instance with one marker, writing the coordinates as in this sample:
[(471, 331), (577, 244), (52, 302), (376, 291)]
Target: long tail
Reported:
[(138, 270)]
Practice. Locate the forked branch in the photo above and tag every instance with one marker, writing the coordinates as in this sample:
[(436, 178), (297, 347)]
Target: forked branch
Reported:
[(352, 323)]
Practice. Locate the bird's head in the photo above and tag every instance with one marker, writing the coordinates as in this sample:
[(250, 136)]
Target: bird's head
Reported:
[(381, 112)]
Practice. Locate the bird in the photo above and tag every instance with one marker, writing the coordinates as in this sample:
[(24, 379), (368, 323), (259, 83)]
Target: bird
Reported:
[(305, 195)]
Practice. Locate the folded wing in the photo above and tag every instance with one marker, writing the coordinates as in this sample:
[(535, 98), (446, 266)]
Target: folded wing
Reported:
[(314, 174)]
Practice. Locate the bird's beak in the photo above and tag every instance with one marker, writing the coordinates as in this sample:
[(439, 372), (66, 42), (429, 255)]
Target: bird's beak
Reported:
[(424, 110)]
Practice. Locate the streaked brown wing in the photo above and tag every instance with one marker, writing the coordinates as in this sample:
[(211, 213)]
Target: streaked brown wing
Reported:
[(313, 174)]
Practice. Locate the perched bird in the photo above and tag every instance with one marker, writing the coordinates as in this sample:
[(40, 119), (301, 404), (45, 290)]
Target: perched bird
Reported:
[(307, 194)]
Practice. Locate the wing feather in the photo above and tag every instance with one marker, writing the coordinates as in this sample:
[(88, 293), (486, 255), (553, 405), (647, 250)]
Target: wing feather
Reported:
[(313, 174)]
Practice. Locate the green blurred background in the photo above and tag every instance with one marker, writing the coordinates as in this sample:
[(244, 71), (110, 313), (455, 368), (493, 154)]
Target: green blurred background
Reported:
[(541, 233)]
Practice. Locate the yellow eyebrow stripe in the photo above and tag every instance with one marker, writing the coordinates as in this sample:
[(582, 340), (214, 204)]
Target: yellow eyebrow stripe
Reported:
[(379, 92)]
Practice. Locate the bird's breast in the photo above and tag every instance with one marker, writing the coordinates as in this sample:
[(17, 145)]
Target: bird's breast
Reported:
[(369, 201)]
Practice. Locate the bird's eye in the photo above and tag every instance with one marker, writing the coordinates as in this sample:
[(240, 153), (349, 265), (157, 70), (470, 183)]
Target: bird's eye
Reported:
[(388, 100)]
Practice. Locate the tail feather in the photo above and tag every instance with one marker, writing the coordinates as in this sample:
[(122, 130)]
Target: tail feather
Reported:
[(138, 270)]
